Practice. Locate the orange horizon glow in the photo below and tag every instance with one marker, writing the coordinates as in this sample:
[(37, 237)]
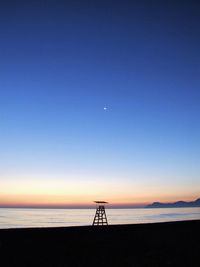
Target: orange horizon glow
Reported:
[(62, 193), (62, 202)]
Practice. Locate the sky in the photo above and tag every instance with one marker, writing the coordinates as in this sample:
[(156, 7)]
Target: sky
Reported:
[(99, 100)]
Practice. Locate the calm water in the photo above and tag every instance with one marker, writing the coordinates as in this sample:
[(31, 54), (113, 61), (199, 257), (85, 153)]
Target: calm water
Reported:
[(13, 218)]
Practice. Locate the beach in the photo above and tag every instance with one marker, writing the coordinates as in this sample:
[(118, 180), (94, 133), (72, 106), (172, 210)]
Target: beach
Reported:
[(156, 244)]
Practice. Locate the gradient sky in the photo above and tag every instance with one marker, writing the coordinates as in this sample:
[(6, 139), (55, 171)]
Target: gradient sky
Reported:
[(61, 63)]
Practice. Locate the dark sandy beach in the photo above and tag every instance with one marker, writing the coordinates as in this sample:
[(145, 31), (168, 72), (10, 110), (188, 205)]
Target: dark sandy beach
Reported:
[(159, 244)]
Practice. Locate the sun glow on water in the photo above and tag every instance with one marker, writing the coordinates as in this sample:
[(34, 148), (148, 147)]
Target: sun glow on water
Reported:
[(18, 218)]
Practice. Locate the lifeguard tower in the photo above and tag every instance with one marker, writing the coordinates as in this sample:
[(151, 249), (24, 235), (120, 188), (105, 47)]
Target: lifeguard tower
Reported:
[(100, 216)]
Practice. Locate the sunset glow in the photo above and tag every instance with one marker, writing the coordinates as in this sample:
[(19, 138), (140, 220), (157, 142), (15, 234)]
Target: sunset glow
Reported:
[(63, 193)]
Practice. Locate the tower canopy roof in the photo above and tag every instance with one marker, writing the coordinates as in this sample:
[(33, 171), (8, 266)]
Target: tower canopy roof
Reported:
[(100, 202)]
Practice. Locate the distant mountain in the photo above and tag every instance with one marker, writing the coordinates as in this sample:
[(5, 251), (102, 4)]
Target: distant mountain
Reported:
[(178, 204)]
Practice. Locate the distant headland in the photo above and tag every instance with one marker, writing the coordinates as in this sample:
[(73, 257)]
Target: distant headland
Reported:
[(178, 204)]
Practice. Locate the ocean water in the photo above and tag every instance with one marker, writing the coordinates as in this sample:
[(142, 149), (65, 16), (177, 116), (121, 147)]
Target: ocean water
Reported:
[(18, 218)]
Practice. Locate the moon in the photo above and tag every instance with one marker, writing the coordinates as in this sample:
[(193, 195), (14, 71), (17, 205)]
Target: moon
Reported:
[(105, 108)]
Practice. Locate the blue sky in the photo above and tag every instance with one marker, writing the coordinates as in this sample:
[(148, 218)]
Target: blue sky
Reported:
[(62, 63)]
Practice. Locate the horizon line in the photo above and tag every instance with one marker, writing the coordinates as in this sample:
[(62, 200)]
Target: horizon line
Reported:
[(111, 206)]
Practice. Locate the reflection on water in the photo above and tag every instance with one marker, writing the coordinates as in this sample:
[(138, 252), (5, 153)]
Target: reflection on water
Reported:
[(14, 218)]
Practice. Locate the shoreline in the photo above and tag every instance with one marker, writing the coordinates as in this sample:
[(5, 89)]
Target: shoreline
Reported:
[(90, 225), (138, 245)]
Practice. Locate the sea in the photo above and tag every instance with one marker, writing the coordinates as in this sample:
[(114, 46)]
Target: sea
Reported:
[(26, 218)]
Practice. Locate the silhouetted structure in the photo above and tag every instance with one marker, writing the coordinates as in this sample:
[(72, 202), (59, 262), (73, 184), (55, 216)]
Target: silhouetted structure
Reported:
[(100, 216)]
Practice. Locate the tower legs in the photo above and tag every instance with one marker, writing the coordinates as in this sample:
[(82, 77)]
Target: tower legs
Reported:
[(100, 216)]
